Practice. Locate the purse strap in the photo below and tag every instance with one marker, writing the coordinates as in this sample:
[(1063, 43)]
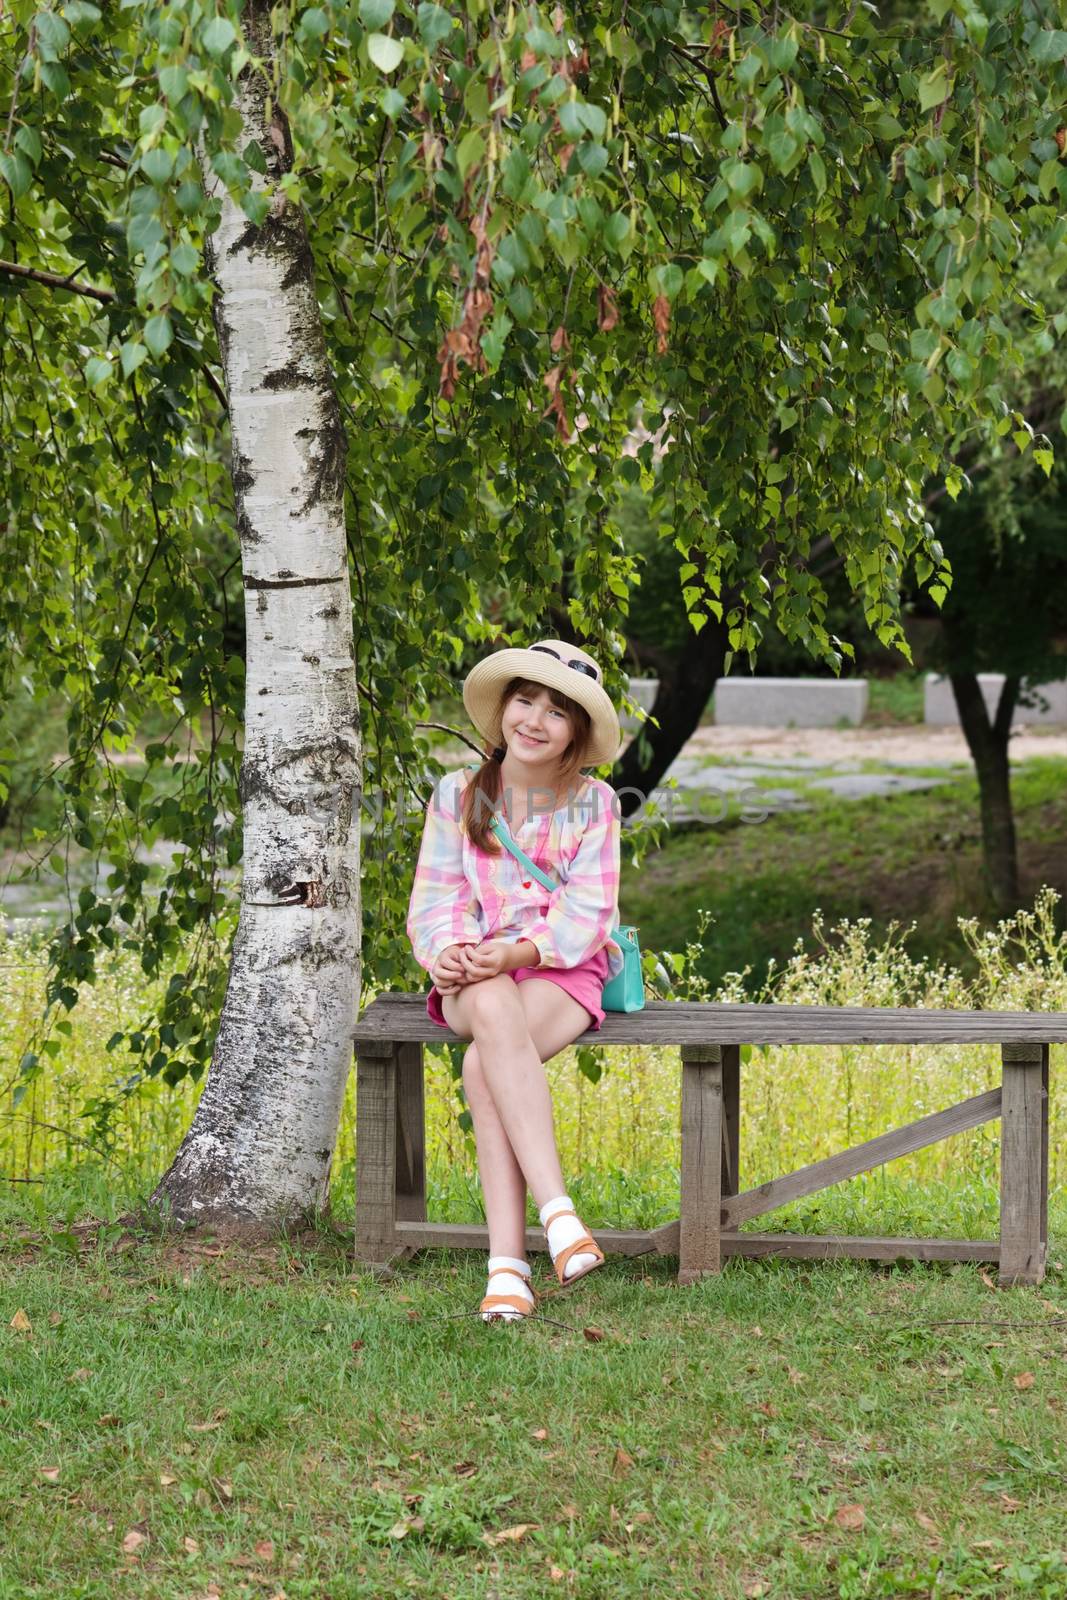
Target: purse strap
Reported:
[(520, 855)]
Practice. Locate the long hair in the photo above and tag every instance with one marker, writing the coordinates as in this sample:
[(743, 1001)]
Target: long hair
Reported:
[(482, 797)]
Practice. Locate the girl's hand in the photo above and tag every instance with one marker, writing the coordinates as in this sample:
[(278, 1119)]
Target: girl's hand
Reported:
[(448, 972), (486, 960)]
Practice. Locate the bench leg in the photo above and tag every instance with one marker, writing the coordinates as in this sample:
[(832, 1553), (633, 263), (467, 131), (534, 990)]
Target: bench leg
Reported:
[(731, 1118), (410, 1135), (376, 1141), (1024, 1164), (699, 1250)]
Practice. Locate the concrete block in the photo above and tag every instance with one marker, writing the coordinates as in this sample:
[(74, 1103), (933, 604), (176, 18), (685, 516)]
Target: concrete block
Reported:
[(939, 703), (790, 702)]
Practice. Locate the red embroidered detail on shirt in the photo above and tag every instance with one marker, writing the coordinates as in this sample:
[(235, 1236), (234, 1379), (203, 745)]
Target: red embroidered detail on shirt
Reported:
[(526, 886)]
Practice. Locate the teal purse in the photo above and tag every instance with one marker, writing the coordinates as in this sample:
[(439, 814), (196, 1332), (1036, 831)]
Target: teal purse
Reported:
[(624, 992)]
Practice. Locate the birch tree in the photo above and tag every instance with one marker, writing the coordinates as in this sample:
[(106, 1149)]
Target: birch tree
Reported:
[(262, 1138), (792, 230)]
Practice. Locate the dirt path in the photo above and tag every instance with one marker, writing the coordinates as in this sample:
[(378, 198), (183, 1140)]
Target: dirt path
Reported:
[(917, 745)]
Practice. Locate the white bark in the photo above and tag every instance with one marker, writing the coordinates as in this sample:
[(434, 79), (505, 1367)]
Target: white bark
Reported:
[(260, 1146)]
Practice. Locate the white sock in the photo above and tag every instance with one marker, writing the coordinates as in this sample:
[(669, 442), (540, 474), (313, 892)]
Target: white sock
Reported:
[(511, 1276), (563, 1231)]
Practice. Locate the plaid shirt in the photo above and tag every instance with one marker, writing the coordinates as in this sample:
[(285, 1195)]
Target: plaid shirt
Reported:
[(462, 895)]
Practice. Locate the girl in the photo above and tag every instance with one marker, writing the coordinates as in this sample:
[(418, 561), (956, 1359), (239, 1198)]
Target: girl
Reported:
[(516, 969)]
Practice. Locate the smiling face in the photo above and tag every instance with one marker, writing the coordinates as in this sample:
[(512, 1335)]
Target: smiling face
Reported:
[(535, 727)]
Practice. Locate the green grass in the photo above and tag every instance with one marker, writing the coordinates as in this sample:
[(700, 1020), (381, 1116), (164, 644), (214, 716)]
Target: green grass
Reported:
[(895, 699), (904, 858), (272, 1422)]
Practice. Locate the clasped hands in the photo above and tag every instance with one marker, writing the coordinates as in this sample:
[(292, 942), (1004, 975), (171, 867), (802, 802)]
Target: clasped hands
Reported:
[(462, 964)]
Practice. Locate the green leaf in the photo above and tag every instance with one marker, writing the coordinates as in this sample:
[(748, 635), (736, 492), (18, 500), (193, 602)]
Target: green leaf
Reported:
[(1049, 45), (185, 259), (52, 33), (594, 118), (173, 82), (158, 333), (1002, 171), (435, 24), (314, 23), (218, 35), (157, 165), (188, 197), (1048, 177), (374, 14), (384, 52), (934, 87), (669, 279), (592, 158), (469, 151), (97, 371), (17, 173), (132, 354), (28, 140), (617, 229)]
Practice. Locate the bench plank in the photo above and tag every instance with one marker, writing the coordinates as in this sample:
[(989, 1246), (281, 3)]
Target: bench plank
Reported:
[(475, 1236), (402, 1017), (861, 1158)]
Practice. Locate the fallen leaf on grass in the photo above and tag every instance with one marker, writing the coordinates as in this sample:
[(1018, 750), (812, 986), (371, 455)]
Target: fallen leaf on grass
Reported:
[(265, 1549), (568, 1511), (55, 1318), (20, 1322), (557, 1574), (49, 1474), (190, 1546), (133, 1541), (1010, 1503), (510, 1535), (80, 1375), (926, 1523), (794, 1376), (766, 1409), (204, 1427), (222, 1488), (357, 1344), (851, 1518), (465, 1469), (988, 1279), (539, 1433), (642, 1516), (754, 1591), (108, 1419), (1025, 1380), (622, 1463), (406, 1525), (166, 1479), (594, 1335)]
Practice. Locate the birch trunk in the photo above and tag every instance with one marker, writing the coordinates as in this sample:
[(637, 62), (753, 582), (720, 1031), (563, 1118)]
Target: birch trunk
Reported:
[(260, 1146)]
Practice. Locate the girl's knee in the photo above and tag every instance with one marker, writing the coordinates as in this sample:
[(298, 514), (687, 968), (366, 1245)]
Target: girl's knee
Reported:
[(495, 1003)]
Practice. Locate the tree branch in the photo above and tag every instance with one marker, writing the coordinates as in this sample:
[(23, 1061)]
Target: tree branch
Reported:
[(55, 280)]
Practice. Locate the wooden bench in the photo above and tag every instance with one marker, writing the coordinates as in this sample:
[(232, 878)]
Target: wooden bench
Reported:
[(390, 1132)]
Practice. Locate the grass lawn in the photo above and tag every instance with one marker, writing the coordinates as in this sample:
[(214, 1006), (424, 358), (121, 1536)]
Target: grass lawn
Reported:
[(903, 858), (187, 1421)]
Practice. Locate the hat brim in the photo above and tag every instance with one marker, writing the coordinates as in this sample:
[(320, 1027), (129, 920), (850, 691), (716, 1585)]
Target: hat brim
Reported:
[(485, 683)]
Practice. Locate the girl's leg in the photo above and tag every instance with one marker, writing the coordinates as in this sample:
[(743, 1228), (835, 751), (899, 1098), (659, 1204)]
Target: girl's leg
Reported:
[(511, 1043), (498, 1083)]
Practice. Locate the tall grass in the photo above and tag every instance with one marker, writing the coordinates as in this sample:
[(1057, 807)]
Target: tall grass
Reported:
[(619, 1136)]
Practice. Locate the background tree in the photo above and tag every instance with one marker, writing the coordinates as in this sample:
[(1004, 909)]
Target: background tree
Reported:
[(794, 232)]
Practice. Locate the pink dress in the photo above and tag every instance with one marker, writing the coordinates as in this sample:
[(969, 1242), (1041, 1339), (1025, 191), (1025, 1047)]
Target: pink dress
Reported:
[(463, 895)]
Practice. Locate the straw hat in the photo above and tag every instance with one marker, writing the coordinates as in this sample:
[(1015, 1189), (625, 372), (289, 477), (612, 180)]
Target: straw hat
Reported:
[(548, 662)]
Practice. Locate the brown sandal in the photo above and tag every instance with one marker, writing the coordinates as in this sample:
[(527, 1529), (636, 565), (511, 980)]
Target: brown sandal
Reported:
[(494, 1304), (585, 1246)]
